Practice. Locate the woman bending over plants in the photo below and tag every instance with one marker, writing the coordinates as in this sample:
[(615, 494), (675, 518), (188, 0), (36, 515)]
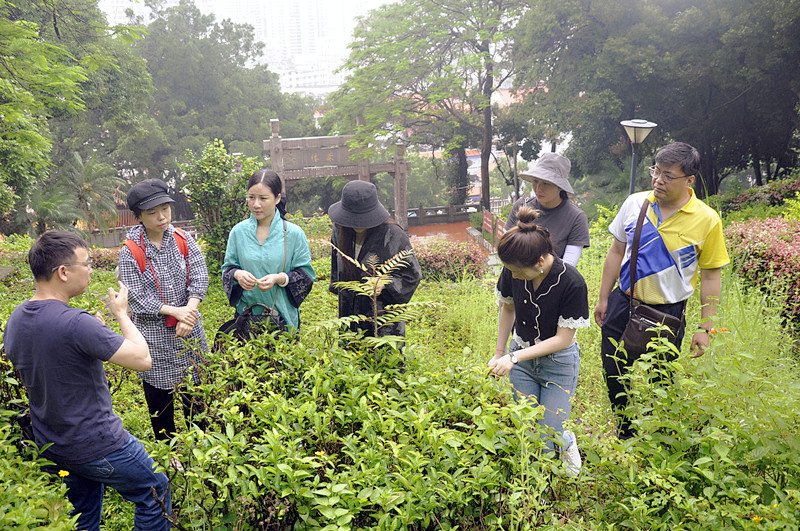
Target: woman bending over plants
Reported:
[(544, 301)]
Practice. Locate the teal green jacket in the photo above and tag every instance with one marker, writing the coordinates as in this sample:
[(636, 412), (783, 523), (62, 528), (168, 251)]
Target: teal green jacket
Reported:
[(245, 252)]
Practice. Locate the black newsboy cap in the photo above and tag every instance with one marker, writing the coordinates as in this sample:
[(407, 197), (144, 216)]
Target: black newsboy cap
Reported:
[(148, 194)]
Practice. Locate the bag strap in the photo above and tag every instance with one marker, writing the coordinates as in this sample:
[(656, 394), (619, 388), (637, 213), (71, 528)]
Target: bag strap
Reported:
[(637, 233), (285, 247), (139, 253)]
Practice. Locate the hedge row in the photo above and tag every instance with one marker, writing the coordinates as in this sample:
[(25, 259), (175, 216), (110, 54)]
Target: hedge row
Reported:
[(766, 252)]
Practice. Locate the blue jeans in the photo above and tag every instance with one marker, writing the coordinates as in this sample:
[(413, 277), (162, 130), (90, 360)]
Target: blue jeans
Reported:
[(549, 381), (129, 471)]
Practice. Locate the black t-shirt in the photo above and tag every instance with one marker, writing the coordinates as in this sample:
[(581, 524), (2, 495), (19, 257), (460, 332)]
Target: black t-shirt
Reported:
[(59, 352), (561, 300), (567, 223)]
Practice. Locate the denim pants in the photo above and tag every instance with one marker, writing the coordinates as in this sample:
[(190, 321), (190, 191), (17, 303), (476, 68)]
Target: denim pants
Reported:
[(550, 381), (129, 471)]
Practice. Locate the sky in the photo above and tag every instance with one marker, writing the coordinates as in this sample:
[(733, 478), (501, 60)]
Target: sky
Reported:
[(305, 40)]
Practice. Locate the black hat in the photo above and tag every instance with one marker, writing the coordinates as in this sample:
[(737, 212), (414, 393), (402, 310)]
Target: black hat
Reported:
[(359, 207), (148, 194)]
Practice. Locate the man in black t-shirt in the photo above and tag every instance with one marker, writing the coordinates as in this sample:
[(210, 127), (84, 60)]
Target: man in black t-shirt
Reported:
[(59, 352)]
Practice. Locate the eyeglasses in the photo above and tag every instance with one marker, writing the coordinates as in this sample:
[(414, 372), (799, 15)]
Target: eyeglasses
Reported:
[(87, 263), (656, 172)]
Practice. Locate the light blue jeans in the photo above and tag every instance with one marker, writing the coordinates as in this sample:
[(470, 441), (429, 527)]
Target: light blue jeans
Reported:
[(129, 471), (549, 381)]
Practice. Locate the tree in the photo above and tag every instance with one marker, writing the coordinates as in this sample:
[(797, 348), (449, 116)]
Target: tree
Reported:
[(719, 75), (516, 136), (93, 188), (216, 184), (418, 62), (37, 79), (208, 85)]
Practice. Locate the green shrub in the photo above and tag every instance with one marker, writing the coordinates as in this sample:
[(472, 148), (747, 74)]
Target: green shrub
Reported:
[(708, 455), (774, 193), (343, 439), (29, 498), (766, 253), (452, 261), (318, 226), (216, 184)]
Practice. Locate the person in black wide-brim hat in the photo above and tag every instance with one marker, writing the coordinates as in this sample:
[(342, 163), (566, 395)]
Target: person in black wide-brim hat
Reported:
[(364, 230)]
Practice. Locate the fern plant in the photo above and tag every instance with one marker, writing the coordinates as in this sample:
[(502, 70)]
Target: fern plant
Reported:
[(376, 277)]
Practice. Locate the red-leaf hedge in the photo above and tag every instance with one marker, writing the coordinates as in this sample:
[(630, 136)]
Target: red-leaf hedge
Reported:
[(766, 252)]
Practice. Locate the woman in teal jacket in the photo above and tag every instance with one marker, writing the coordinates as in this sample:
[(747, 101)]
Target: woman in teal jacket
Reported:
[(267, 259)]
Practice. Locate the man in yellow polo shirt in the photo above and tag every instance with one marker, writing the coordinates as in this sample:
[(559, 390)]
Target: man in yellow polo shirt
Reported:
[(681, 237)]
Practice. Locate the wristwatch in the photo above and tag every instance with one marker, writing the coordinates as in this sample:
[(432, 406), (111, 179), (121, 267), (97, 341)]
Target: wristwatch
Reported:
[(513, 357)]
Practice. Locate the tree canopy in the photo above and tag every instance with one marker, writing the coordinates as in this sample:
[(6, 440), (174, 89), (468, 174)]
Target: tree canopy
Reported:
[(721, 76), (208, 86), (418, 62)]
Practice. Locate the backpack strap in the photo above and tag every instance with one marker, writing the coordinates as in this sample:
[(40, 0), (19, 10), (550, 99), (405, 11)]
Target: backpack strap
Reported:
[(180, 239), (138, 251)]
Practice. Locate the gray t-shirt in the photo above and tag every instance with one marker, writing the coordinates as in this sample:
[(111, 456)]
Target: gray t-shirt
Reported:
[(567, 223), (59, 352)]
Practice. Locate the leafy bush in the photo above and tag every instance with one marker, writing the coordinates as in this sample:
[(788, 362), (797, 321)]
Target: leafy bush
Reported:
[(771, 194), (342, 438), (29, 498), (766, 253), (445, 260), (318, 231), (216, 182), (708, 456), (104, 258), (753, 211), (318, 226), (792, 210)]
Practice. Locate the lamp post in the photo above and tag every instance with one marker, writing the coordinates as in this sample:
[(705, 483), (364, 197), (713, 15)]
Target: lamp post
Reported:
[(637, 130)]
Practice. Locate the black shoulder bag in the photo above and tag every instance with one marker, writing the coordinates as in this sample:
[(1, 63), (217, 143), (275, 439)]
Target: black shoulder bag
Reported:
[(644, 322)]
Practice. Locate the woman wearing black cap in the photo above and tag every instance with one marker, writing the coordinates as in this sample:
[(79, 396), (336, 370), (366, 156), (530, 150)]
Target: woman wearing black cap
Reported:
[(167, 278), (364, 230)]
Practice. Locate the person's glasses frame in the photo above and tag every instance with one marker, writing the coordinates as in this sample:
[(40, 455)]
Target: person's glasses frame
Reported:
[(87, 263), (656, 172)]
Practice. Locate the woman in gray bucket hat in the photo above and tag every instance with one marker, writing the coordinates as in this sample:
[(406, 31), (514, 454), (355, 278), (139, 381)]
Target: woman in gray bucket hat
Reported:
[(364, 230), (567, 223)]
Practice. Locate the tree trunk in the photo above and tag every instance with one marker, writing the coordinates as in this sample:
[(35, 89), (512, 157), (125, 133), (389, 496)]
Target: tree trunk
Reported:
[(486, 149), (757, 172)]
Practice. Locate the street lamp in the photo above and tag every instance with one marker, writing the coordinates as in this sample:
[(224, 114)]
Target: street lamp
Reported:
[(637, 130)]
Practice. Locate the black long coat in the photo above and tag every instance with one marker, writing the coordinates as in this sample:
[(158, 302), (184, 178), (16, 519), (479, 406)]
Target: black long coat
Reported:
[(385, 241)]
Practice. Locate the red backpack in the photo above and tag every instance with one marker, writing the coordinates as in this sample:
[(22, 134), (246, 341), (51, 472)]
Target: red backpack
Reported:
[(141, 259), (138, 250)]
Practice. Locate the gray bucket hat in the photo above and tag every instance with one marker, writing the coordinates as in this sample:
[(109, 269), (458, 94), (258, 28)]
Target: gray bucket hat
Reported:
[(359, 207), (553, 168)]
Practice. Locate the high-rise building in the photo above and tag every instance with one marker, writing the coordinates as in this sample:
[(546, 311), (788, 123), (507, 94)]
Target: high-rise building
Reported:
[(305, 41)]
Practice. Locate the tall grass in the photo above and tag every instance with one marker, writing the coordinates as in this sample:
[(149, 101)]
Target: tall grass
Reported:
[(717, 447)]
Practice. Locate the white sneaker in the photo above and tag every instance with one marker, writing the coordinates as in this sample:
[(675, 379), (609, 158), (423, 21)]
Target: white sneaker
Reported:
[(572, 457)]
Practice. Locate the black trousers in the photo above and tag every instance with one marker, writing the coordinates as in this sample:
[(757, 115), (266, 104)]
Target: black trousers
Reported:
[(161, 404), (617, 364)]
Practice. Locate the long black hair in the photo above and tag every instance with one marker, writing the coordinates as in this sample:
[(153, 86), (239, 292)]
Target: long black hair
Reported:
[(271, 180)]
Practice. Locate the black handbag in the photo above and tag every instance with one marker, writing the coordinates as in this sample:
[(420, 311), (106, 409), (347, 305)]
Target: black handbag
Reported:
[(644, 321), (247, 324)]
